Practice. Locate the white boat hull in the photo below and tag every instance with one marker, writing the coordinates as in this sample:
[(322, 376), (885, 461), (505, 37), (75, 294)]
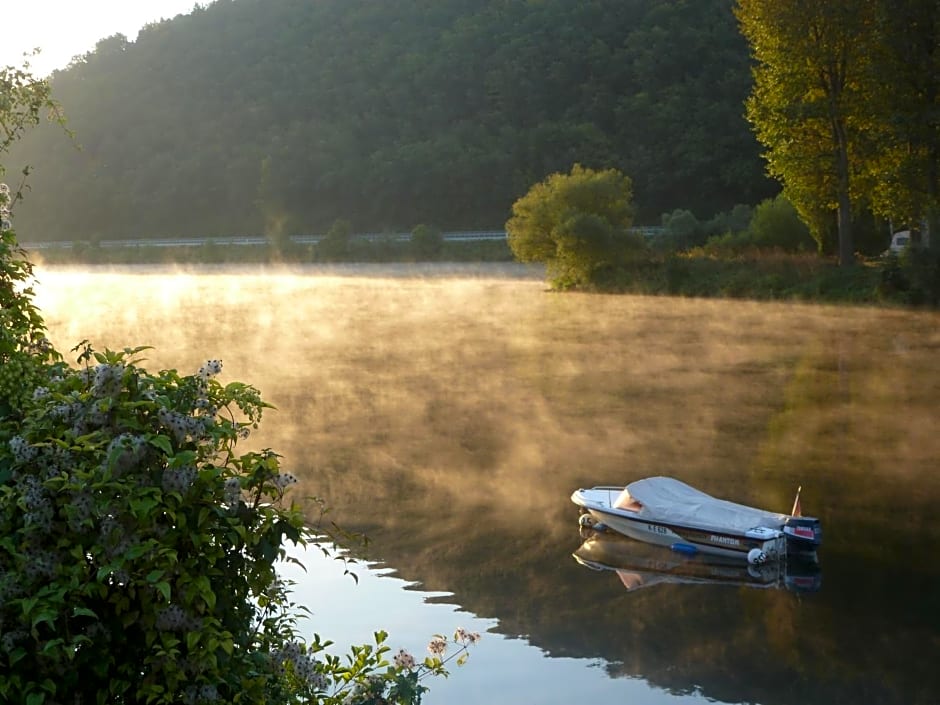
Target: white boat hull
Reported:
[(598, 502)]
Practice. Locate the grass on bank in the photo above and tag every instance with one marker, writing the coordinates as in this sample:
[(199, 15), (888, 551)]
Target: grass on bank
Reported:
[(910, 280)]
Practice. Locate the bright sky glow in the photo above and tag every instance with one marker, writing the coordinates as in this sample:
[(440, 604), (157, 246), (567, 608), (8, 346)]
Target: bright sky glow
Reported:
[(63, 29)]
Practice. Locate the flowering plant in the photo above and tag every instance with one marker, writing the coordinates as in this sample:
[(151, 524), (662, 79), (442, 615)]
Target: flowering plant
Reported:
[(138, 543)]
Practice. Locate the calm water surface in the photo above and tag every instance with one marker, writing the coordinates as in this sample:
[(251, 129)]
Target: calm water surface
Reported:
[(449, 413)]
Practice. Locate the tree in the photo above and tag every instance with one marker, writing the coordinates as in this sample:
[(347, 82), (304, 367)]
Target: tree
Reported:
[(903, 175), (426, 242), (335, 246), (807, 102), (575, 223), (22, 100)]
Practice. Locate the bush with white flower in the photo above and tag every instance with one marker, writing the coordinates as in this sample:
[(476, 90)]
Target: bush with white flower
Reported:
[(138, 543)]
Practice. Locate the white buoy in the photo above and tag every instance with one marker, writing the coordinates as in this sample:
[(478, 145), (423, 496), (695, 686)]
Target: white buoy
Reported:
[(756, 557)]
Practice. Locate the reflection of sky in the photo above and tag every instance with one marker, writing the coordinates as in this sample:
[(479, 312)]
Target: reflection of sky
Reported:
[(500, 670)]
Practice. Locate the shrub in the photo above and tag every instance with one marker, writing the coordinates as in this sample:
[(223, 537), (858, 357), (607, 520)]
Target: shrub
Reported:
[(912, 278), (578, 224), (426, 242), (777, 225), (683, 229), (734, 221)]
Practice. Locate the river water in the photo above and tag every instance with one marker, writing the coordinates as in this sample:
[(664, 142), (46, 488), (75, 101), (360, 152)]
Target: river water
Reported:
[(449, 412)]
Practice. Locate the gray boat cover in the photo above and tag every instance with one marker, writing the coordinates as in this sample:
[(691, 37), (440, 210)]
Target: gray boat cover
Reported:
[(671, 501)]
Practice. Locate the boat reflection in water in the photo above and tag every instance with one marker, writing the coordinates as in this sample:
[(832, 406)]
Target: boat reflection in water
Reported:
[(640, 565)]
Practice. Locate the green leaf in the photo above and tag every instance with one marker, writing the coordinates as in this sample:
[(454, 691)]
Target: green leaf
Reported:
[(192, 640), (143, 506), (44, 616), (164, 588), (162, 443)]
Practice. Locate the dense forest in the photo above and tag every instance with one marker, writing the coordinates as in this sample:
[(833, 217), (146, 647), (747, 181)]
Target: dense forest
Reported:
[(282, 116)]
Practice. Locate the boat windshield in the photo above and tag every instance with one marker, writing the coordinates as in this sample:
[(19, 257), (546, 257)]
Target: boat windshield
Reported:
[(625, 501)]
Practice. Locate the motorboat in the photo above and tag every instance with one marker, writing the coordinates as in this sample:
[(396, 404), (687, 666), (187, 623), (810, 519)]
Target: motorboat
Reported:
[(642, 565), (668, 512)]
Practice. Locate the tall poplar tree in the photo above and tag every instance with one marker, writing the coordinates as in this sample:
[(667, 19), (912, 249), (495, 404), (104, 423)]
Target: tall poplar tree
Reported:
[(806, 106), (904, 83)]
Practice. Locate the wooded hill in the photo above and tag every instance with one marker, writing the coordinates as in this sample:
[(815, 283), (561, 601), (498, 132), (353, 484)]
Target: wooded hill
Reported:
[(282, 116)]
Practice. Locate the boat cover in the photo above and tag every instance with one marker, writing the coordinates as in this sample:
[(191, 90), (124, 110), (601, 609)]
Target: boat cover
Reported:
[(671, 501)]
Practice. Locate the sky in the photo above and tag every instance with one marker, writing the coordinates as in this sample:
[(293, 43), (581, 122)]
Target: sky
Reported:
[(63, 29)]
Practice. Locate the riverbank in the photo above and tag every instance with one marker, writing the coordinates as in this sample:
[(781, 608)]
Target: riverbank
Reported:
[(388, 250), (780, 277), (907, 281)]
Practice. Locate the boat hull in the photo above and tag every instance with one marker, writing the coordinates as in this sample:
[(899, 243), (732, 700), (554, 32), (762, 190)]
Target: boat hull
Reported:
[(597, 502)]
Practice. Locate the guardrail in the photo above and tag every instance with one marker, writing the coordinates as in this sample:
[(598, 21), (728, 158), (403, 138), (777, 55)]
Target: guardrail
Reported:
[(254, 240)]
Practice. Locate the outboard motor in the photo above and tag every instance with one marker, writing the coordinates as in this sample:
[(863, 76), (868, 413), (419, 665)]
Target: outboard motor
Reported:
[(804, 534)]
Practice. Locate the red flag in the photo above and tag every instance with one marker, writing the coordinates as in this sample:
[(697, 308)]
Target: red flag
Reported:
[(797, 510)]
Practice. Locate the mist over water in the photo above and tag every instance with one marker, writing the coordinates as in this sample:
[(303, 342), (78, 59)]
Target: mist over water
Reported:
[(450, 412)]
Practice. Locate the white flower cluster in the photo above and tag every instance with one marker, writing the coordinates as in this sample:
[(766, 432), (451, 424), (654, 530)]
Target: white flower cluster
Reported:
[(117, 541), (284, 480), (54, 461), (210, 368), (108, 380), (174, 619), (206, 407), (403, 659), (39, 564), (233, 492), (127, 451), (179, 479), (41, 346), (82, 504), (438, 646), (67, 412), (304, 666), (5, 223), (11, 586), (366, 692), (96, 416), (462, 636), (11, 639), (85, 417), (40, 393), (200, 694), (39, 507), (22, 451), (181, 425)]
